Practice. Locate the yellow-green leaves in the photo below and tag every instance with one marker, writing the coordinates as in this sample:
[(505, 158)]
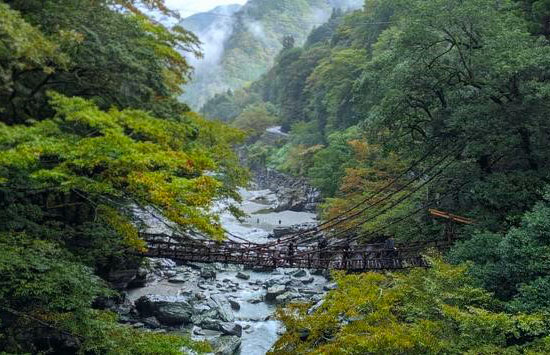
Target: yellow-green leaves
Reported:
[(123, 226), (432, 311), (126, 155), (25, 47)]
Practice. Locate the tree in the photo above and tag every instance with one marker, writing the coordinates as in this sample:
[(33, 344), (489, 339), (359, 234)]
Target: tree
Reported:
[(255, 119), (288, 42), (465, 75), (514, 265), (426, 311), (90, 129), (371, 170), (125, 61), (329, 164)]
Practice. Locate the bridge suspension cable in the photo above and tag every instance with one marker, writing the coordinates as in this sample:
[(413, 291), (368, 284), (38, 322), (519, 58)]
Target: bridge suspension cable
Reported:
[(386, 226), (341, 218), (448, 192)]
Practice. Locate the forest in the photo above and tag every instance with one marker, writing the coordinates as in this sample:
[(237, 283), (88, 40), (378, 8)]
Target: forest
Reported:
[(90, 127), (447, 99), (408, 84)]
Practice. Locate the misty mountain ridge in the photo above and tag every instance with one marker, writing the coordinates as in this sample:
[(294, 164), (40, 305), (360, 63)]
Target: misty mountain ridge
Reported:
[(201, 22), (240, 43)]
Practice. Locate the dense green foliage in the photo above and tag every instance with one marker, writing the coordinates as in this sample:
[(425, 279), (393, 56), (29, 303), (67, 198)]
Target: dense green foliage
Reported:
[(411, 78), (371, 93), (255, 34), (433, 311), (514, 264), (255, 119), (90, 128)]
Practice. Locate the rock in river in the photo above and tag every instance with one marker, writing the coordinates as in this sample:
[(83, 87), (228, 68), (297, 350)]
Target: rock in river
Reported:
[(234, 305), (167, 310), (179, 279), (286, 297), (299, 273), (225, 345), (274, 291), (223, 307), (208, 273), (231, 329), (243, 276), (226, 328), (308, 280)]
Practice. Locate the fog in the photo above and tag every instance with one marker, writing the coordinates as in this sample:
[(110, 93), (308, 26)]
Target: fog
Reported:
[(214, 29), (213, 36)]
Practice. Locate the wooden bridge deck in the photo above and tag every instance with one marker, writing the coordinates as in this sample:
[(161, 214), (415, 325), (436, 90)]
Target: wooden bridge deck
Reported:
[(352, 258)]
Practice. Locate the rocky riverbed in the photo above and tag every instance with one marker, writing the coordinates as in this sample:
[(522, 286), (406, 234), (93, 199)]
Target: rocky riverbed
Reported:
[(228, 306)]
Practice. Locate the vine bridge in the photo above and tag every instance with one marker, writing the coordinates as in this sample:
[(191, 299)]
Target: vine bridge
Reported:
[(359, 257), (310, 248)]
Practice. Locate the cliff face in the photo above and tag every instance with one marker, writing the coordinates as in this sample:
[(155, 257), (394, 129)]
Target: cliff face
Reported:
[(240, 43)]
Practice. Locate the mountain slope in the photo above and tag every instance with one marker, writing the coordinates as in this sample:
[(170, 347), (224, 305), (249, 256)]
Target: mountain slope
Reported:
[(240, 43), (204, 21)]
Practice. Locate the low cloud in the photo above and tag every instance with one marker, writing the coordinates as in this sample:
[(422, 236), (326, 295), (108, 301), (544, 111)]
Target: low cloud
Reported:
[(191, 7)]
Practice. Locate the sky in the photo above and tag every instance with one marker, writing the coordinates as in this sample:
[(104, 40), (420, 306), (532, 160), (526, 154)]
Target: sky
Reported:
[(190, 7)]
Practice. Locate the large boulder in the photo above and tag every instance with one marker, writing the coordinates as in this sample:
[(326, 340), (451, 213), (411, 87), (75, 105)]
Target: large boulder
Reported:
[(223, 307), (226, 328), (308, 280), (234, 305), (179, 279), (293, 199), (151, 322), (280, 280), (274, 291), (231, 329), (215, 308), (120, 279), (208, 273), (315, 307), (225, 345), (299, 273), (292, 193), (168, 311), (286, 297), (39, 339), (141, 278)]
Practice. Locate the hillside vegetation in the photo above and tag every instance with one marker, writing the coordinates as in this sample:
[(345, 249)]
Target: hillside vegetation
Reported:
[(241, 43), (90, 128), (458, 92)]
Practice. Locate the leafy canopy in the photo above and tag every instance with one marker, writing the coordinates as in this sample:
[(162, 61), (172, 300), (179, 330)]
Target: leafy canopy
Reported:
[(426, 311)]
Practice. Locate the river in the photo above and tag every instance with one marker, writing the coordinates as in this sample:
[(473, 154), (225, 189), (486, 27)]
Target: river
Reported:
[(259, 329)]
